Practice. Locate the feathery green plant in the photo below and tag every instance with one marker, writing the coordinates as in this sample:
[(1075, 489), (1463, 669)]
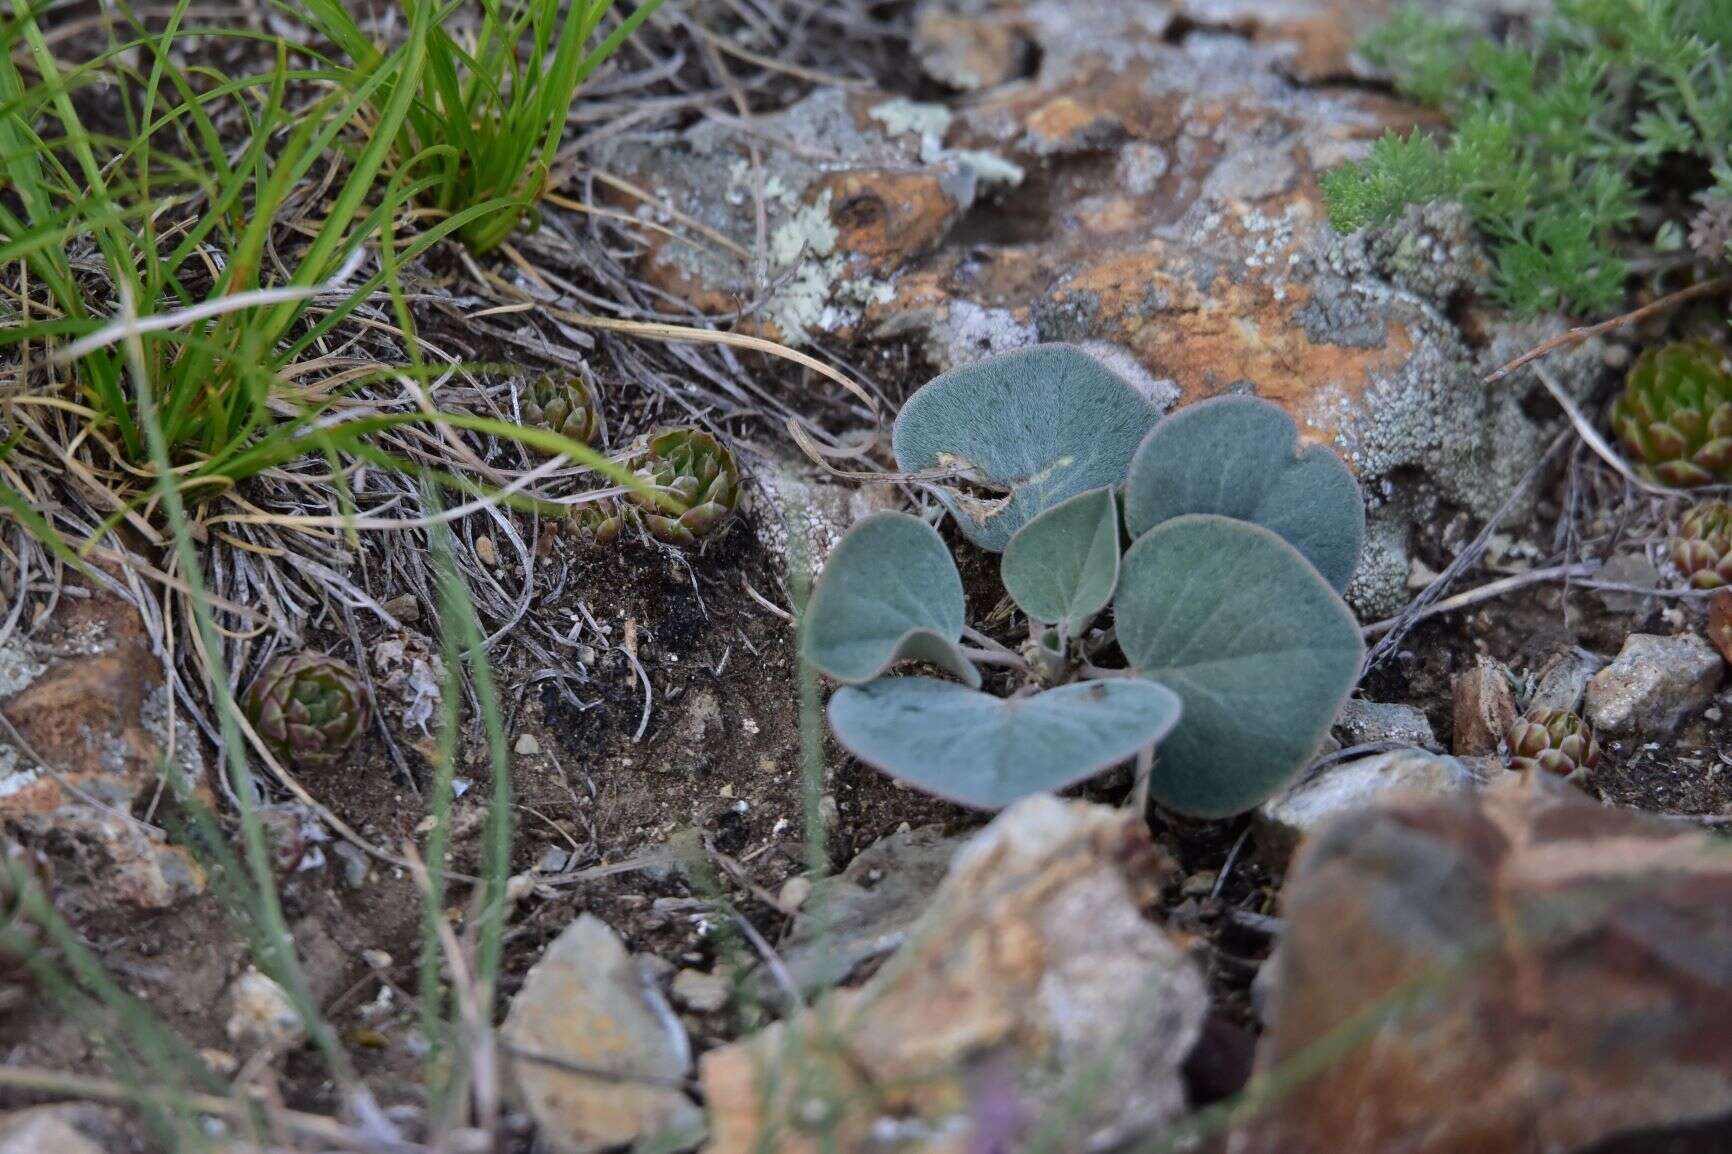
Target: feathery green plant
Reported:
[(487, 116), (1569, 145)]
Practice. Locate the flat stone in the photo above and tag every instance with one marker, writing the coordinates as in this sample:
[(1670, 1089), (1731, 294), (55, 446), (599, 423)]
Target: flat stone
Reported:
[(1363, 722), (1033, 987), (586, 1001), (1652, 683), (1285, 820), (1521, 969), (1564, 679)]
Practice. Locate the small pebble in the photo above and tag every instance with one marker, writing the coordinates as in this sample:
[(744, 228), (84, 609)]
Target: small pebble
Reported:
[(794, 893), (696, 990), (484, 550), (405, 608), (377, 959), (1198, 884), (526, 743)]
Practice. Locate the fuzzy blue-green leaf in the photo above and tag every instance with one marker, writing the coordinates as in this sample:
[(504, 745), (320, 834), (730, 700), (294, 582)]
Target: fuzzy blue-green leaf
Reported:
[(1062, 565), (1240, 457), (1253, 640), (1033, 427), (889, 591), (986, 752)]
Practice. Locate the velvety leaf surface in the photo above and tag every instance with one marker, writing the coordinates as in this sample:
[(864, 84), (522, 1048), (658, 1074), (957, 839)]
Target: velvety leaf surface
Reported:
[(1240, 457), (889, 591), (1046, 423), (1253, 640), (1062, 565), (987, 752)]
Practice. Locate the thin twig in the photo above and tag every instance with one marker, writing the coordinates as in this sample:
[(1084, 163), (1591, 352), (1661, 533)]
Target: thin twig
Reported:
[(1577, 335), (1483, 593)]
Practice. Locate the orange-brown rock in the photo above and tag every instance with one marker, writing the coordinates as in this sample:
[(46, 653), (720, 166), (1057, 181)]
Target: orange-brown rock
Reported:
[(90, 754), (1484, 707), (1521, 971), (887, 217)]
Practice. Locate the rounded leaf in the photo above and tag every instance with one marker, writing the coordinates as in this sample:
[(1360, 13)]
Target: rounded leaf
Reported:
[(1260, 649), (1240, 457), (1036, 426), (1062, 565), (889, 591), (986, 752)]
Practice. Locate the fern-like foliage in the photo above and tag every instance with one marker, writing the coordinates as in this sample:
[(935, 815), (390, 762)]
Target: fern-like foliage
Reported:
[(1565, 143)]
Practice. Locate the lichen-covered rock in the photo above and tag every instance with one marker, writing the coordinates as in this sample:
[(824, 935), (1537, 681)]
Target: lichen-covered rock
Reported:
[(1652, 683), (1520, 969), (1363, 722), (833, 233), (1032, 990), (1161, 197)]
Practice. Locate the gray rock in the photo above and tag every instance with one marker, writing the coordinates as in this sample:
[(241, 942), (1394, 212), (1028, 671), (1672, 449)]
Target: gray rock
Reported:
[(1652, 683), (865, 911), (1627, 569), (1283, 821), (1564, 678), (1363, 722), (587, 1002)]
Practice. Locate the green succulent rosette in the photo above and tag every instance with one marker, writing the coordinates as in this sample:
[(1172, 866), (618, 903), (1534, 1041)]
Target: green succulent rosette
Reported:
[(563, 405), (1674, 417), (308, 708), (697, 483)]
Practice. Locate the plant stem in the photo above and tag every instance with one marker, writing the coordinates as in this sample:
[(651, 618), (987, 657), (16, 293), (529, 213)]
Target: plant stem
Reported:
[(986, 642), (1139, 799), (997, 656)]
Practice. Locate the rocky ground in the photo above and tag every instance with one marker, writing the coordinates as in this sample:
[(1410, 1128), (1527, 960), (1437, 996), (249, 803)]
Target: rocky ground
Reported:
[(1475, 960)]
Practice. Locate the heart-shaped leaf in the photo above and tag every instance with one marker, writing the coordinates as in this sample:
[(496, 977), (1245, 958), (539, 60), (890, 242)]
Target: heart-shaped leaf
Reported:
[(1239, 457), (1062, 566), (889, 591), (1034, 427), (982, 751), (1253, 640)]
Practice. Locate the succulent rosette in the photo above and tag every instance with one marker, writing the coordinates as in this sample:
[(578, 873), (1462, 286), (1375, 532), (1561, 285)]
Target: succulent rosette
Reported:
[(1554, 740), (563, 405), (1674, 418), (308, 708), (696, 480), (1702, 550)]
